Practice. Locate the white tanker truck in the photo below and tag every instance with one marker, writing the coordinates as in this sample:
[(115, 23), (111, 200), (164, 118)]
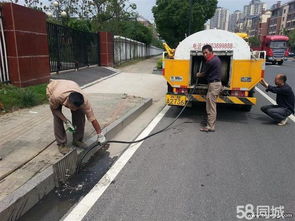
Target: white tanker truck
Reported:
[(242, 69)]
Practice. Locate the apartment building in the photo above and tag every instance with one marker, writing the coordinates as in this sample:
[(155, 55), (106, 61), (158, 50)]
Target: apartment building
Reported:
[(255, 7), (220, 20), (282, 19), (233, 20)]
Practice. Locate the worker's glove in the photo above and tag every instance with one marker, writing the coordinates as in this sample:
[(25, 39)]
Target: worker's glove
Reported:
[(70, 126), (101, 139)]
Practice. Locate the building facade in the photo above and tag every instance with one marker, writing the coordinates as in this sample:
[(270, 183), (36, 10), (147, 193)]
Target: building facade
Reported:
[(255, 7), (275, 21), (290, 20), (220, 20), (233, 20), (282, 19), (264, 24)]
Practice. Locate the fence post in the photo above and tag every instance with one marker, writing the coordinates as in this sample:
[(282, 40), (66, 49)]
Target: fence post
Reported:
[(106, 44), (27, 45), (98, 49), (58, 62)]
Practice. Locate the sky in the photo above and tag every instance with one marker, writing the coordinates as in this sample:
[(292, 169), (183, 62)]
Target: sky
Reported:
[(144, 7)]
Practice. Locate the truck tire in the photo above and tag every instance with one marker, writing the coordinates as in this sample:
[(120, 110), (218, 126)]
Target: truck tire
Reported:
[(273, 62), (280, 62)]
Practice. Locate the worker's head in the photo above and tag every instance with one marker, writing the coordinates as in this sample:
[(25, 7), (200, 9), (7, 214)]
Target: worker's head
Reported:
[(207, 51), (280, 79), (76, 99)]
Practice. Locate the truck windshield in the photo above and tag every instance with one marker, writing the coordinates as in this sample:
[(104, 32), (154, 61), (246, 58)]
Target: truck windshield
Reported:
[(278, 44)]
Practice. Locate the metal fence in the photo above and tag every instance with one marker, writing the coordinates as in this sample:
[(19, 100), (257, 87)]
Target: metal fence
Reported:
[(126, 49), (71, 49), (4, 75)]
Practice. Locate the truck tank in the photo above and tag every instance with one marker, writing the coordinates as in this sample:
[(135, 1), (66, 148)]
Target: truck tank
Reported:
[(228, 46)]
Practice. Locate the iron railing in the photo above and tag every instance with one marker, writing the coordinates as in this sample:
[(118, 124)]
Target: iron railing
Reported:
[(71, 49)]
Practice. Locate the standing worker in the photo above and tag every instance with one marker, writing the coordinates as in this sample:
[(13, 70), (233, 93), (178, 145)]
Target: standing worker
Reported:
[(213, 75), (285, 100), (69, 94)]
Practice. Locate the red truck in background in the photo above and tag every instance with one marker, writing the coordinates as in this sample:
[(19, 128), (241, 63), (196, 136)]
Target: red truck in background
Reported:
[(276, 47)]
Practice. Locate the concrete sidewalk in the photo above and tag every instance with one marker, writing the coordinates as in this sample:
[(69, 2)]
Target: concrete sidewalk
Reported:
[(32, 166)]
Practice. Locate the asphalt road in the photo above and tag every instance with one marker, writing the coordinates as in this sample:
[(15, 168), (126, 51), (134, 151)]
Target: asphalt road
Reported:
[(184, 174)]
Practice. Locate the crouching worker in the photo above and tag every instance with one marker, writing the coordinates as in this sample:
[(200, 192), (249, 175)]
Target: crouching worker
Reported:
[(69, 94), (285, 100)]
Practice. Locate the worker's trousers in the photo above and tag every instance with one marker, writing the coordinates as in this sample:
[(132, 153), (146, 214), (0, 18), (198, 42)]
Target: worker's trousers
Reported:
[(214, 90), (78, 120), (276, 113)]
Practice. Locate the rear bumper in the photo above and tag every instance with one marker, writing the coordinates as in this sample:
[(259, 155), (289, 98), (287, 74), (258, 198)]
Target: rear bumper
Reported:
[(178, 100)]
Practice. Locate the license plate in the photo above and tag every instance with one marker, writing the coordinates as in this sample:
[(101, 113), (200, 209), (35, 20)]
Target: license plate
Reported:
[(176, 100)]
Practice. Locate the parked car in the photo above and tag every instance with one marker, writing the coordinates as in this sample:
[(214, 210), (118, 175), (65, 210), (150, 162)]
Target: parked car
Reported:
[(291, 54)]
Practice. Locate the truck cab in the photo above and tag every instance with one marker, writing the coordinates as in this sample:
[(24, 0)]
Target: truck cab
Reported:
[(276, 47)]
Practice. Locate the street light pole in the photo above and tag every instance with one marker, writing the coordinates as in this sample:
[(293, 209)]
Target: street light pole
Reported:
[(60, 14), (56, 5), (190, 17)]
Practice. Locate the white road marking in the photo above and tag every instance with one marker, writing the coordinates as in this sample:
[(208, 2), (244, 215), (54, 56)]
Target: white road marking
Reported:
[(291, 117), (82, 208)]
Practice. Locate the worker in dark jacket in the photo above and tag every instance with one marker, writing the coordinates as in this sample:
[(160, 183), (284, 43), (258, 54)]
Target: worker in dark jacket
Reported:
[(213, 74), (285, 100)]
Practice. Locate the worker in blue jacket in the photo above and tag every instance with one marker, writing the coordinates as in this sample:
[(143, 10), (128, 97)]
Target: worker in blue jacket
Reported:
[(285, 100)]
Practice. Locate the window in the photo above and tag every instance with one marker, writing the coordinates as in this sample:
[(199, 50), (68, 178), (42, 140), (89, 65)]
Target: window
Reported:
[(278, 44)]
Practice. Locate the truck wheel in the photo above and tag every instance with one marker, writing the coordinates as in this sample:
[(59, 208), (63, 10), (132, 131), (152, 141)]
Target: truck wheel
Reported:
[(280, 62), (273, 62)]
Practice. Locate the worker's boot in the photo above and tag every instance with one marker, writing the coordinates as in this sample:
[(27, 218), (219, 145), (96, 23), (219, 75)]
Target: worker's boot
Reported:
[(80, 144), (63, 149), (283, 122)]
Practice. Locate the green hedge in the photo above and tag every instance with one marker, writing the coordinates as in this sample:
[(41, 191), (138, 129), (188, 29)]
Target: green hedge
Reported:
[(13, 98)]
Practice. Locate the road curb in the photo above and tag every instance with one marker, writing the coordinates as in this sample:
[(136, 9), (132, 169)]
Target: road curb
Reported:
[(20, 201)]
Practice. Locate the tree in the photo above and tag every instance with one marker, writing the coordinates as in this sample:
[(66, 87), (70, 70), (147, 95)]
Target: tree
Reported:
[(79, 24), (172, 17), (291, 36), (36, 4), (137, 31), (71, 7), (109, 15), (254, 41)]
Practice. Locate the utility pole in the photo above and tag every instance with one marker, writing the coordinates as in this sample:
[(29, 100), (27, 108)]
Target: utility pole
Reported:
[(190, 17)]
